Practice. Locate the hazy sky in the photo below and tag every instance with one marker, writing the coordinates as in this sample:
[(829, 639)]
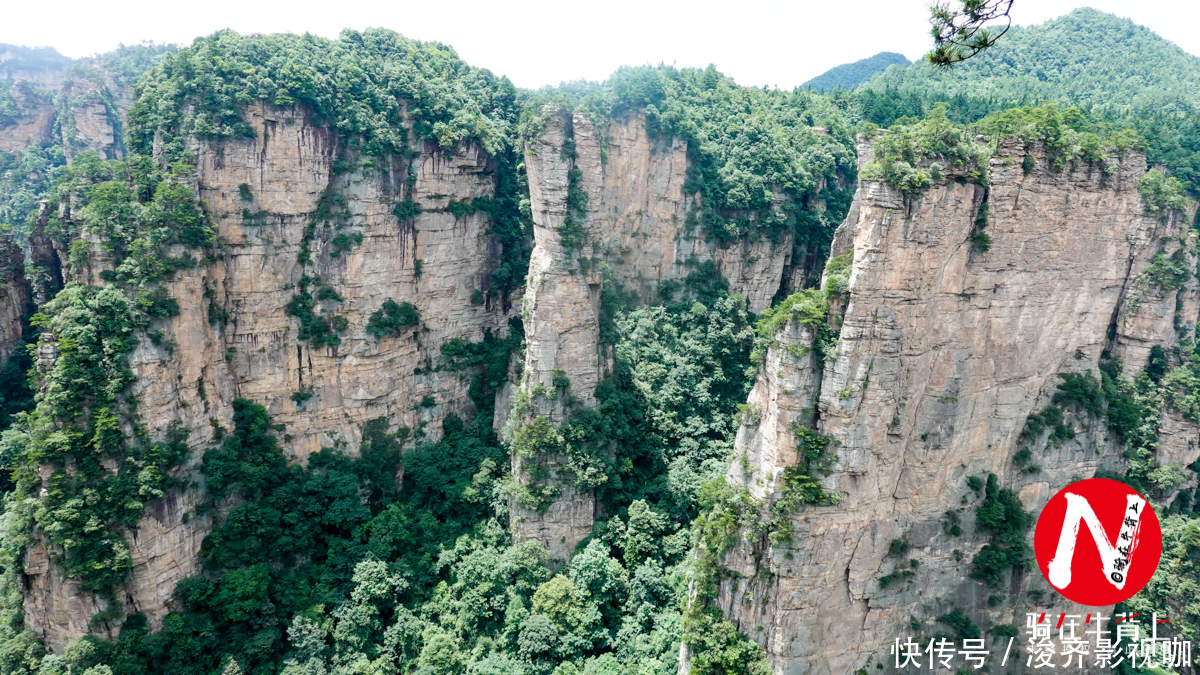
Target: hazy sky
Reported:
[(540, 42)]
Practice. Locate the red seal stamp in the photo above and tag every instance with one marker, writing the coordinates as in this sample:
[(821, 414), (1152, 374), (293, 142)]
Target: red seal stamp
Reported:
[(1098, 542)]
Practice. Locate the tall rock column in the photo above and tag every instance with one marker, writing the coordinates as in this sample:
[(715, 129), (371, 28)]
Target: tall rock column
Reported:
[(562, 332), (784, 397), (606, 204), (945, 350), (14, 297), (562, 301)]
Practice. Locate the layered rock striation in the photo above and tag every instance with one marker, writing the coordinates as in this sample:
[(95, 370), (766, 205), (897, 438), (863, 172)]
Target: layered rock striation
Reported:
[(80, 106), (235, 338), (945, 349), (15, 297), (610, 213)]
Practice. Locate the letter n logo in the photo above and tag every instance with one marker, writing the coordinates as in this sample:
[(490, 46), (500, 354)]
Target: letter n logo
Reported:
[(1098, 542)]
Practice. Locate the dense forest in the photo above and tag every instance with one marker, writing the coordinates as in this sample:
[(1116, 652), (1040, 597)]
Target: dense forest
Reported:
[(330, 567), (850, 75), (1115, 72)]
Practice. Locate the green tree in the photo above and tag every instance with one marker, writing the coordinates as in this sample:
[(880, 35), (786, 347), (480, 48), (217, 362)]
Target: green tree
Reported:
[(962, 32)]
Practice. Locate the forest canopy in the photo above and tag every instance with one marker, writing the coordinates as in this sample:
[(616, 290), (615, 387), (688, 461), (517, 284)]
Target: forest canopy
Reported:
[(361, 85), (1115, 72)]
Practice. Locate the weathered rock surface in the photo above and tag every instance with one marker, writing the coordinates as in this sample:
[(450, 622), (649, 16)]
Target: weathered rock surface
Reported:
[(944, 352), (562, 333), (639, 221), (31, 88), (15, 295), (89, 124), (562, 298), (36, 122), (90, 108), (164, 550), (636, 230), (785, 395), (435, 261), (13, 67), (234, 339)]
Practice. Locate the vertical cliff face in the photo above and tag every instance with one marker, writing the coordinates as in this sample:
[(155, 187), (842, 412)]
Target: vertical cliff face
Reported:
[(785, 394), (945, 350), (297, 212), (15, 295), (562, 297), (36, 120), (262, 194), (562, 330), (30, 86), (78, 105), (637, 232), (635, 226), (93, 103), (234, 338), (639, 217)]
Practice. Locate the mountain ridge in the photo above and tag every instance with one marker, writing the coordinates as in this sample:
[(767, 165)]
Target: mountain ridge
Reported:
[(850, 75), (1073, 59)]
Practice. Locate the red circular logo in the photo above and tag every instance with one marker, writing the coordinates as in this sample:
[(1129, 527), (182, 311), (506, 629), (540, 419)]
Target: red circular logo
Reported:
[(1098, 542)]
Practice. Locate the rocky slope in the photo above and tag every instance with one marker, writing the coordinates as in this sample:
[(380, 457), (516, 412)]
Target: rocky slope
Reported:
[(944, 352)]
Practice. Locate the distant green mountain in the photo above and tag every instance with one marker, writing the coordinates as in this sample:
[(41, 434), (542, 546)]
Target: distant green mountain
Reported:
[(850, 75), (1120, 74), (1085, 58), (30, 59)]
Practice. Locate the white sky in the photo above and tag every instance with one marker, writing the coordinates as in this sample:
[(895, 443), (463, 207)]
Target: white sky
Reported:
[(539, 42)]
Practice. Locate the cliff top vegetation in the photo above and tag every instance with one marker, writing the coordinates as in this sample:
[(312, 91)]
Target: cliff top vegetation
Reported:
[(757, 157), (1113, 71), (361, 85)]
